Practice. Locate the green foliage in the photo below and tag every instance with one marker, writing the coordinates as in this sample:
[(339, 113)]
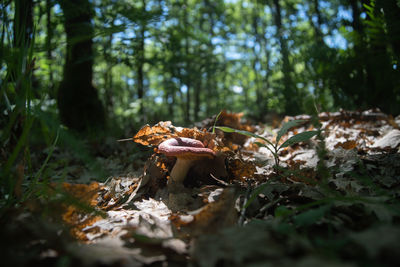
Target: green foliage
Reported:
[(29, 115), (321, 223), (208, 55), (310, 217), (300, 137), (275, 147)]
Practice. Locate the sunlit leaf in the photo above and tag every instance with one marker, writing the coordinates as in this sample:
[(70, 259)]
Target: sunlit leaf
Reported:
[(153, 135), (301, 137), (242, 132), (286, 128)]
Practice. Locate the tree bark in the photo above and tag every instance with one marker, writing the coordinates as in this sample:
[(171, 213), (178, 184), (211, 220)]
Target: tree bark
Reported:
[(292, 106), (49, 49), (188, 68), (391, 10), (139, 69), (197, 89), (108, 77), (315, 9), (266, 63), (260, 89), (78, 101)]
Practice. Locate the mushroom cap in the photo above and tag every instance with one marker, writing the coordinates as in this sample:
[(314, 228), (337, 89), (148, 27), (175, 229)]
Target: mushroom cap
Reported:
[(187, 148)]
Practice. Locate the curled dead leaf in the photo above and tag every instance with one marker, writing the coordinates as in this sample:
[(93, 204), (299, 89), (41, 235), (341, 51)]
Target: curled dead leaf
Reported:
[(154, 135), (208, 138)]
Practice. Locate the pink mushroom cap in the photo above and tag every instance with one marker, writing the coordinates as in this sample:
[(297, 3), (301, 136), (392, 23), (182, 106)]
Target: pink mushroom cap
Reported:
[(182, 147)]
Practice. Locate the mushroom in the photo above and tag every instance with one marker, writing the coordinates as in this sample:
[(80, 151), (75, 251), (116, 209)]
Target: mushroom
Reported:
[(186, 151)]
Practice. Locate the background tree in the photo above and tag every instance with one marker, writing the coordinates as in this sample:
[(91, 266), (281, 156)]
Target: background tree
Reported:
[(184, 60), (292, 105), (78, 102)]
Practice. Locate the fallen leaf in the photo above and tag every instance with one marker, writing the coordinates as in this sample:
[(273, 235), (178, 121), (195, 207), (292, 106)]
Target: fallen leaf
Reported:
[(390, 140), (74, 215), (350, 144), (154, 135), (211, 218), (241, 170)]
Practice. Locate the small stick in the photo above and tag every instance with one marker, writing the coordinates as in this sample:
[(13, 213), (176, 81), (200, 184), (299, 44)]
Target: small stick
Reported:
[(219, 180), (123, 140)]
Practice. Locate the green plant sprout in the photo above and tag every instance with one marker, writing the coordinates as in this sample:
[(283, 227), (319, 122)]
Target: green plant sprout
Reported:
[(275, 147)]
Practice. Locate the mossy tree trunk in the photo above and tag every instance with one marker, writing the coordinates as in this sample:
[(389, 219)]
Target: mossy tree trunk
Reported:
[(78, 102)]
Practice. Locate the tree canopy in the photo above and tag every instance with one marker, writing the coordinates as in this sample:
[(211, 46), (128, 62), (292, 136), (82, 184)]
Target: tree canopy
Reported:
[(187, 60)]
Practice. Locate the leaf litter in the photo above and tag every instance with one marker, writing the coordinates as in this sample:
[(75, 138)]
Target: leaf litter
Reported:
[(240, 210)]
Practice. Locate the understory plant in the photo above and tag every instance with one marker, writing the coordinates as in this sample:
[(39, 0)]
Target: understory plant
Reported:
[(275, 147)]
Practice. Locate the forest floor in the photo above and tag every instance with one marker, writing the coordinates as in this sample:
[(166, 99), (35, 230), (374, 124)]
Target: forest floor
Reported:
[(333, 200)]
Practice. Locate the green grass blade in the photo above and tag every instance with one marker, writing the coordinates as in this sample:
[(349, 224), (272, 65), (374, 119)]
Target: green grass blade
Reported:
[(215, 122), (48, 157)]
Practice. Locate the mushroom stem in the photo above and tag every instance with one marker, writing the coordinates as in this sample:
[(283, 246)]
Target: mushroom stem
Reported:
[(180, 169)]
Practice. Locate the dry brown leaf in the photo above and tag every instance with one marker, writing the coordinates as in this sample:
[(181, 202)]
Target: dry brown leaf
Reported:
[(230, 119), (156, 170), (75, 217), (241, 170), (350, 144), (211, 218), (208, 139), (85, 193), (234, 120), (154, 135)]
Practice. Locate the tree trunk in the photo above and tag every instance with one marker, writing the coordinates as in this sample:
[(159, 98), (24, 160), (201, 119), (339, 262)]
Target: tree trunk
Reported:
[(391, 10), (260, 89), (49, 49), (187, 63), (292, 106), (392, 18), (319, 57), (315, 9), (210, 84), (169, 91), (358, 93), (266, 63), (140, 59), (197, 89), (140, 73), (78, 102), (108, 77)]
